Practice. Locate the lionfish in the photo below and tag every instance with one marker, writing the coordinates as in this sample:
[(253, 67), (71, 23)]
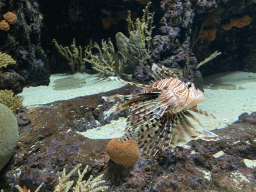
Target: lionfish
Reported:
[(159, 114)]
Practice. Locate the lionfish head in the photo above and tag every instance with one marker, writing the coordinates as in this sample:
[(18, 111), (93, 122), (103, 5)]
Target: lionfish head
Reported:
[(195, 97)]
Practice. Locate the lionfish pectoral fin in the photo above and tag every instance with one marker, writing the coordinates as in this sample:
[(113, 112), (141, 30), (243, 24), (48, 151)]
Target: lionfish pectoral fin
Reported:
[(183, 130), (155, 135), (205, 113), (191, 116)]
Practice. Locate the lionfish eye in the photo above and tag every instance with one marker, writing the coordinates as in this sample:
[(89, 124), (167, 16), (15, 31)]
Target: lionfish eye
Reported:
[(189, 85)]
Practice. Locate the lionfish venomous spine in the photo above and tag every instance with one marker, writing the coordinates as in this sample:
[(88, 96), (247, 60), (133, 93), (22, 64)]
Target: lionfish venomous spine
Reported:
[(160, 113)]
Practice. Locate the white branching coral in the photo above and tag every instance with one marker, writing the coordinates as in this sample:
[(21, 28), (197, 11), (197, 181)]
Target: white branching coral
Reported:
[(91, 185)]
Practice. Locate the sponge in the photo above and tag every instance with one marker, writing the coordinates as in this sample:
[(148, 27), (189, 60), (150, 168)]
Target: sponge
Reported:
[(9, 135), (125, 154)]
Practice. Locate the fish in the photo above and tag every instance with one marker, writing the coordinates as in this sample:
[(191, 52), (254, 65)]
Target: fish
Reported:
[(160, 115)]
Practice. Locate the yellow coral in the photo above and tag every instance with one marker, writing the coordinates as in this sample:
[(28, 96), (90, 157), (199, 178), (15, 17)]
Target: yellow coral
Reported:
[(10, 100), (5, 60)]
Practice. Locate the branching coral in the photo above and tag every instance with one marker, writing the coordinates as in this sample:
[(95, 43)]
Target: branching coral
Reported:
[(107, 62), (132, 49), (6, 59), (74, 55), (91, 185), (10, 100), (143, 27)]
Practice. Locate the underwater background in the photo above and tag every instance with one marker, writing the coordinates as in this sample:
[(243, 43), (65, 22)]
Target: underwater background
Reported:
[(65, 66)]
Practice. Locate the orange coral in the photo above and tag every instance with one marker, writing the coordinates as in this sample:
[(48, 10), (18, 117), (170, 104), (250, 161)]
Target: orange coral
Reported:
[(10, 17), (208, 34), (237, 22), (4, 25), (125, 154)]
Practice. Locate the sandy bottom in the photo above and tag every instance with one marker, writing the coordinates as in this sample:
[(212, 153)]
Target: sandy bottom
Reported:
[(227, 96), (65, 87)]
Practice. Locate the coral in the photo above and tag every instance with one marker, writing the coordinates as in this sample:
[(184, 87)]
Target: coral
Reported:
[(10, 17), (74, 55), (91, 185), (125, 154), (212, 56), (12, 101), (25, 189), (4, 25), (9, 136), (6, 59), (108, 62), (132, 49), (143, 27), (237, 22)]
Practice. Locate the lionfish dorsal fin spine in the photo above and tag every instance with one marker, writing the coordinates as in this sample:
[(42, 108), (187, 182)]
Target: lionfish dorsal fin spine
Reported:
[(162, 72)]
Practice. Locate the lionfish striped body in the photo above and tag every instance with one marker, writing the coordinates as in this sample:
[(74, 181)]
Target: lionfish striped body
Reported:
[(159, 115)]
